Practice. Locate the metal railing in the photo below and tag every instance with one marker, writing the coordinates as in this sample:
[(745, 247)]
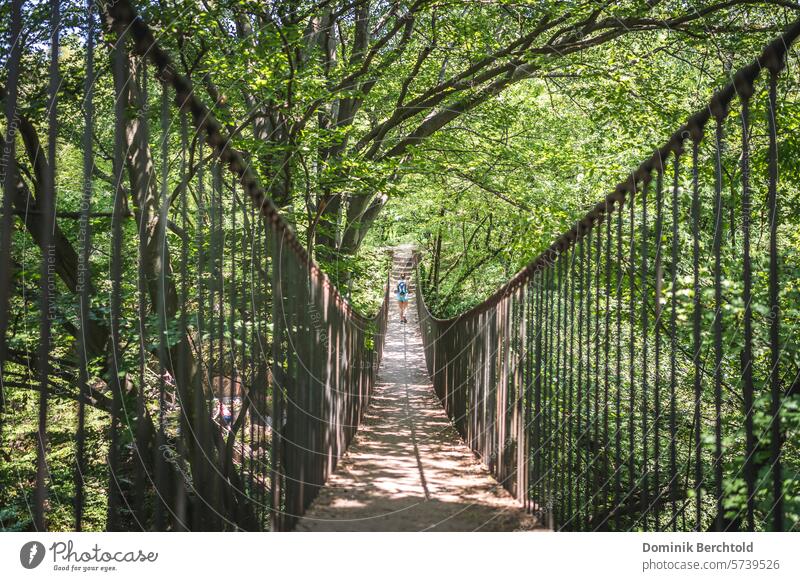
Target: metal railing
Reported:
[(641, 372), (215, 389)]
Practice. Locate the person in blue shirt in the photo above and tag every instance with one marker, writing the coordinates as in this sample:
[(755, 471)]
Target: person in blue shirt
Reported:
[(402, 297)]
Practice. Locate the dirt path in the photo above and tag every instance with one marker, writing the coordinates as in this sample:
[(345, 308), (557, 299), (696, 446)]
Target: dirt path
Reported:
[(408, 469)]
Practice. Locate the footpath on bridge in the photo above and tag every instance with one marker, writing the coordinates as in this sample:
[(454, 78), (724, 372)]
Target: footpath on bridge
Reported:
[(407, 468)]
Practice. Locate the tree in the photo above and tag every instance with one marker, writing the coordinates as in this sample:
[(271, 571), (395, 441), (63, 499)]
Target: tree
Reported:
[(334, 98)]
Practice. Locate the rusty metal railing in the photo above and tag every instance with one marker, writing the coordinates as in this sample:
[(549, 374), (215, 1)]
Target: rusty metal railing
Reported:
[(641, 372), (217, 374)]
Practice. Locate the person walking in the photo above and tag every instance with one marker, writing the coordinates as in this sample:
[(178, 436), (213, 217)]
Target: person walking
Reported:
[(402, 297), (223, 413)]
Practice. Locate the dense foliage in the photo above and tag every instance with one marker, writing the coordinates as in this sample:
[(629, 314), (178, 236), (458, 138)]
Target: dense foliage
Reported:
[(477, 131)]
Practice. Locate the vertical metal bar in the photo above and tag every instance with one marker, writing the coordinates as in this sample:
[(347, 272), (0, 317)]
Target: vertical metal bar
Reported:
[(530, 355), (293, 444), (632, 478), (673, 340), (550, 394), (555, 429), (521, 390), (537, 395), (120, 106), (181, 389), (268, 384), (247, 408), (564, 422), (618, 378), (296, 471), (258, 380), (250, 379), (201, 407), (541, 363), (645, 506), (747, 351), (557, 378), (141, 446), (596, 472), (588, 375), (657, 348), (163, 364), (571, 442), (580, 437), (143, 462), (218, 310), (84, 272), (47, 305), (717, 251), (546, 406), (246, 384), (230, 466), (482, 388), (275, 249), (697, 314), (606, 348), (301, 389), (489, 384), (216, 352), (774, 310)]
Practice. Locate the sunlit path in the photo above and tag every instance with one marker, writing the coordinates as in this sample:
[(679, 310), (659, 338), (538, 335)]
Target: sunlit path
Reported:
[(408, 469)]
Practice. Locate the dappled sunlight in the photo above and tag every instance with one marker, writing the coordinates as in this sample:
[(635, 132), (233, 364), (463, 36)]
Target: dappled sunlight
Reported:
[(407, 468)]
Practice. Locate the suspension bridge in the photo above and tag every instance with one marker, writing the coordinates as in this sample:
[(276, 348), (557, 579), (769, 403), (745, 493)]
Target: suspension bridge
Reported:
[(582, 395)]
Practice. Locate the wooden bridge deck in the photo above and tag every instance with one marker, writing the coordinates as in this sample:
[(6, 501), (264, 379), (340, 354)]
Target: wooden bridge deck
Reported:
[(407, 468)]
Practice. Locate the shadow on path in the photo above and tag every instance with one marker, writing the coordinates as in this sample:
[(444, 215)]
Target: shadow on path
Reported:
[(407, 468)]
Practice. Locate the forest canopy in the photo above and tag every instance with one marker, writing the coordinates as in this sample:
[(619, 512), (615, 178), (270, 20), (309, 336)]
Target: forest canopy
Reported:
[(436, 122)]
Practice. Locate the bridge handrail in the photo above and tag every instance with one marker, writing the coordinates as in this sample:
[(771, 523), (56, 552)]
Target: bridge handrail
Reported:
[(771, 58), (518, 373), (256, 368), (125, 20)]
